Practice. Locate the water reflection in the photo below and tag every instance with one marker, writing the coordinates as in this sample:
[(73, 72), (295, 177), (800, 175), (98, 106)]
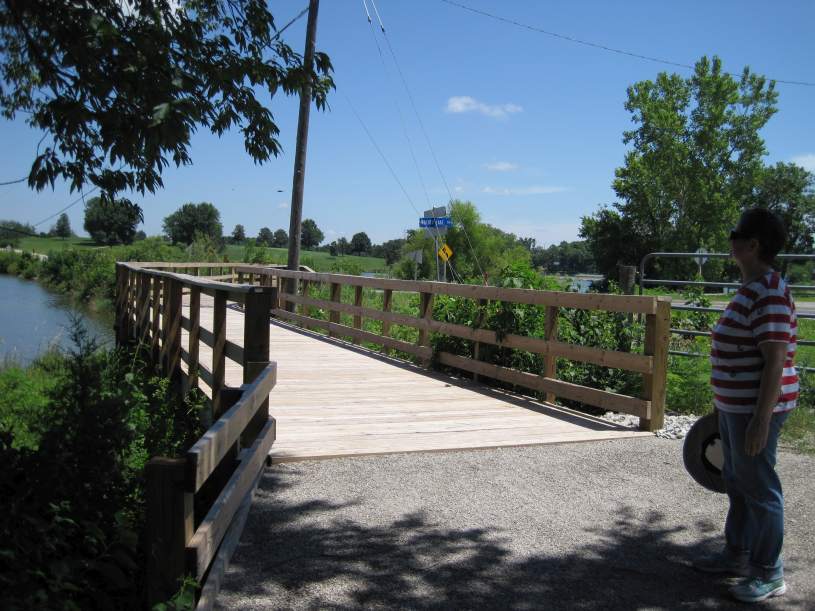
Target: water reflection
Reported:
[(32, 319)]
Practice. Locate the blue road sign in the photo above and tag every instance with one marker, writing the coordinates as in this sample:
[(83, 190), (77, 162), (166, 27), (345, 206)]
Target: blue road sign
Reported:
[(441, 221)]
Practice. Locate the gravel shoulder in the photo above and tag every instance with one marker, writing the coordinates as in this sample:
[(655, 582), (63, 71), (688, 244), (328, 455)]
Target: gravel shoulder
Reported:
[(600, 525)]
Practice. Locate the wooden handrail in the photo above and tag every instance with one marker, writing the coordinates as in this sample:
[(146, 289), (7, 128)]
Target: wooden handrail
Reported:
[(651, 365), (216, 477), (631, 304)]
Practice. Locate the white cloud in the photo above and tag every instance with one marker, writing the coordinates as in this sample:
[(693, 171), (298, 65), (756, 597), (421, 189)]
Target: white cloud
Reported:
[(806, 161), (282, 205), (501, 166), (464, 103), (532, 190)]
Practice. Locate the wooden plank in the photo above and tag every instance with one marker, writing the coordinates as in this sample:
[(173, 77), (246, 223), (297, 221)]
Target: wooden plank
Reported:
[(358, 304), (305, 310), (550, 361), (231, 350), (482, 305), (210, 449), (173, 337), (155, 320), (218, 351), (165, 324), (426, 313), (256, 355), (169, 526), (194, 339), (587, 301), (204, 543), (591, 396), (334, 315), (657, 340), (366, 336), (387, 303)]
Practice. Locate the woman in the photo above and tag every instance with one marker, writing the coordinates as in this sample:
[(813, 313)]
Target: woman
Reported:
[(755, 386)]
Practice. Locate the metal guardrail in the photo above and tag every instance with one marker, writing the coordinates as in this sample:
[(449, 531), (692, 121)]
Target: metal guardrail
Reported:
[(642, 280)]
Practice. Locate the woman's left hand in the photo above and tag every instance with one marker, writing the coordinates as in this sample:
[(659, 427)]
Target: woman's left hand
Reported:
[(755, 438)]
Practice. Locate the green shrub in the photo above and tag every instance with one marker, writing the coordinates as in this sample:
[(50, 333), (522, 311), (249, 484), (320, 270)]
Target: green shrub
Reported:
[(71, 491)]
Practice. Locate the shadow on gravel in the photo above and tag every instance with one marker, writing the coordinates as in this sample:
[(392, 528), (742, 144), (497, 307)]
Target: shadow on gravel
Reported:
[(414, 564)]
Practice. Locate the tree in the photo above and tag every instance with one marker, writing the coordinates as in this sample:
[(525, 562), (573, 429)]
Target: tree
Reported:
[(360, 243), (569, 257), (280, 239), (310, 236), (695, 156), (391, 250), (787, 189), (190, 220), (62, 229), (12, 231), (238, 234), (477, 247), (111, 222), (265, 236), (120, 87)]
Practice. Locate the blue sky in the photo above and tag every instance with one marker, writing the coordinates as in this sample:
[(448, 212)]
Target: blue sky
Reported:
[(526, 126)]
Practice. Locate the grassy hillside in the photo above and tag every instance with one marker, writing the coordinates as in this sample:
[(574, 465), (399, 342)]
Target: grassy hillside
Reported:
[(45, 245), (319, 261)]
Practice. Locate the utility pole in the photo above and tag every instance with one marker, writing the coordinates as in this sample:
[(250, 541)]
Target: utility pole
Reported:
[(296, 220)]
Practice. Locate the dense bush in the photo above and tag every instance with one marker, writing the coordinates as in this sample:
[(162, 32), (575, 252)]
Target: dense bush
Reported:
[(87, 273), (71, 487)]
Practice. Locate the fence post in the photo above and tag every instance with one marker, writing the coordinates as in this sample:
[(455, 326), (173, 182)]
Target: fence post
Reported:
[(334, 315), (170, 524), (173, 337), (122, 331), (194, 337), (218, 346), (628, 277), (305, 310), (156, 320), (425, 313), (550, 361), (387, 300), (256, 354), (357, 317), (482, 303), (657, 338)]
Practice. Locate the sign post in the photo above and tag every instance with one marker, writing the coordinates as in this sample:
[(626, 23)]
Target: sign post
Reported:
[(436, 223), (700, 260)]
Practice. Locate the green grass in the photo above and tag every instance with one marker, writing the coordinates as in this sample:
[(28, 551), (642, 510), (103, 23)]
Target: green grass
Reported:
[(46, 245), (319, 261)]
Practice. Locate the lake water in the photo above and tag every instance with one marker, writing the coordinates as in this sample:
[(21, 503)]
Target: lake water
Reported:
[(32, 319)]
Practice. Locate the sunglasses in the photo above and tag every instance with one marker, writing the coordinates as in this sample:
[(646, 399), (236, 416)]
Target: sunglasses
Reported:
[(739, 235)]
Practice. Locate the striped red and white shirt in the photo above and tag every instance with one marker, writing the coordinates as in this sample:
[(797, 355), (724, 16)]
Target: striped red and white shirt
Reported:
[(761, 311)]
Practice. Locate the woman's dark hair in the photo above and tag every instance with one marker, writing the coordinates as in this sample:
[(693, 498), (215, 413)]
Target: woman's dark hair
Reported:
[(766, 227)]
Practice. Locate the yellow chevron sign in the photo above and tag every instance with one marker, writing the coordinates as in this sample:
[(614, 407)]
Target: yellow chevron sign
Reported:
[(445, 252)]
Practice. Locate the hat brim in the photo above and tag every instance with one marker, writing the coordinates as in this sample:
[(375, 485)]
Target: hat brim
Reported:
[(702, 453)]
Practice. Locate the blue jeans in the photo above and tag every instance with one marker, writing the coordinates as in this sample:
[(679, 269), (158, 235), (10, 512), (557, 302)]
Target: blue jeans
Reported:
[(754, 529)]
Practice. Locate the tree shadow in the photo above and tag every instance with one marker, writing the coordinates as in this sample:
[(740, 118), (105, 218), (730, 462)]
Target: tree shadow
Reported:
[(289, 560)]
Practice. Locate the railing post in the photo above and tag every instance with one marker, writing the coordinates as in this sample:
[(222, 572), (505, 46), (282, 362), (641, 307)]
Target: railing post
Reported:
[(170, 525), (334, 315), (194, 337), (165, 326), (256, 354), (357, 317), (482, 303), (387, 302), (218, 345), (122, 331), (550, 335), (156, 320), (142, 309), (305, 310), (425, 313), (657, 338), (173, 337)]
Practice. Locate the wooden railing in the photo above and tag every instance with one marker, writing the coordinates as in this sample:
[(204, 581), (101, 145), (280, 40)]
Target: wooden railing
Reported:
[(192, 501), (652, 364)]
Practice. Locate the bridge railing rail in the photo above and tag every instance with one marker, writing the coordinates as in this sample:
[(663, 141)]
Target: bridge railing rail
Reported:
[(193, 502), (295, 304)]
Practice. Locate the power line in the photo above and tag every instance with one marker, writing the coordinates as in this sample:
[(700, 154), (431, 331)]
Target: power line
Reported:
[(600, 46), (13, 182), (283, 29), (429, 144), (81, 198)]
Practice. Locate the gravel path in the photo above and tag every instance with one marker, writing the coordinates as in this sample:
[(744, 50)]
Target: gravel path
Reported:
[(600, 525)]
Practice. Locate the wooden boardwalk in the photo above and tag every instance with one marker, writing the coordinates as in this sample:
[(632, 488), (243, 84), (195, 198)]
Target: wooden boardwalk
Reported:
[(333, 399)]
